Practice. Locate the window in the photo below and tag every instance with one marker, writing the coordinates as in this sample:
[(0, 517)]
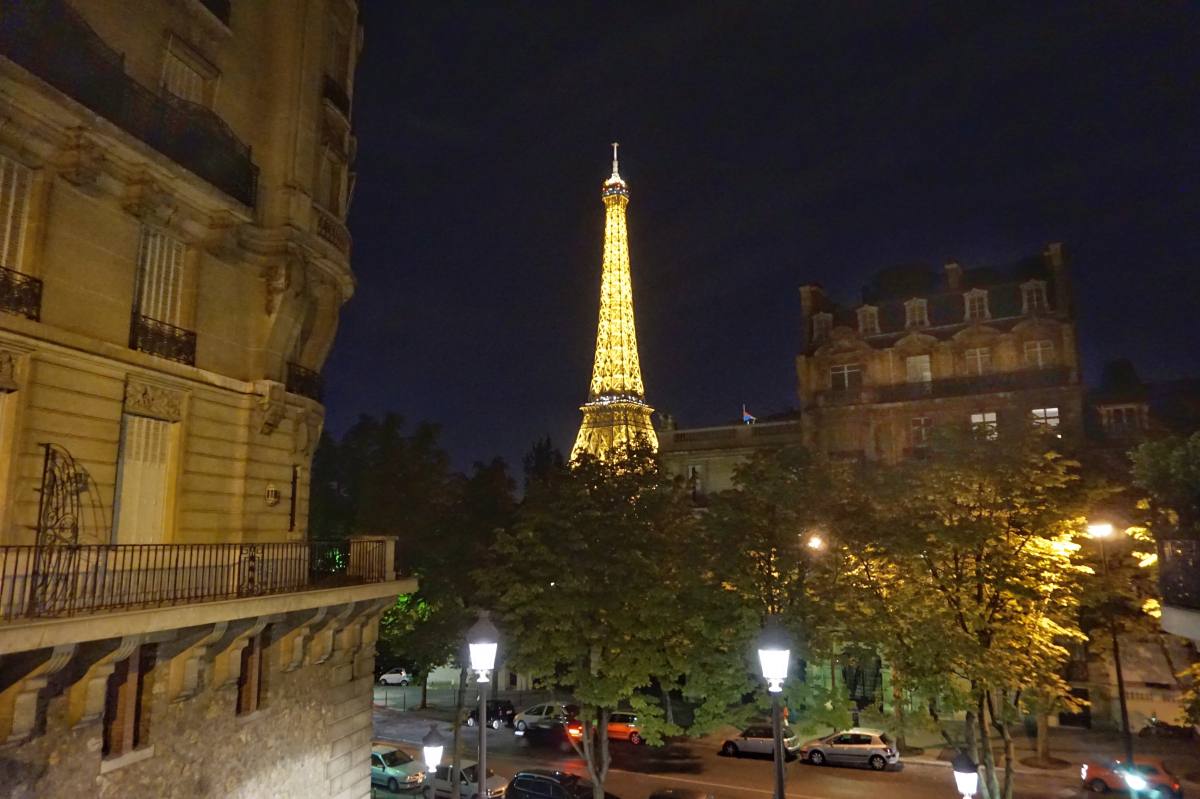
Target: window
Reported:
[(160, 277), (124, 723), (918, 369), (984, 423), (250, 676), (330, 178), (845, 377), (916, 313), (15, 180), (696, 482), (979, 361), (868, 320), (187, 74), (1121, 418), (142, 480), (1033, 296), (292, 501), (822, 324), (1045, 417), (1039, 354), (977, 305), (920, 428)]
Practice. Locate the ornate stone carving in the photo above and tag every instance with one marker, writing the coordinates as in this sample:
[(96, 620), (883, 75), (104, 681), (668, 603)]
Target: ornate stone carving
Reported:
[(280, 277), (271, 404), (307, 427), (146, 200), (81, 162), (8, 371), (157, 402)]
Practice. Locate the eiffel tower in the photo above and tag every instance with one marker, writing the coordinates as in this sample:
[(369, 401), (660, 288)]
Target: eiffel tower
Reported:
[(616, 412)]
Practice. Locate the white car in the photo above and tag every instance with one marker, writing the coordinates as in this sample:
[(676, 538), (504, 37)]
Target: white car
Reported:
[(532, 716), (758, 739), (858, 746), (396, 676), (438, 786)]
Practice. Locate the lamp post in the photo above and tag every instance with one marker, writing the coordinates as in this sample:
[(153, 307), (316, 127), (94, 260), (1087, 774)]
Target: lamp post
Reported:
[(774, 654), (482, 641), (1102, 531), (966, 775), (432, 745)]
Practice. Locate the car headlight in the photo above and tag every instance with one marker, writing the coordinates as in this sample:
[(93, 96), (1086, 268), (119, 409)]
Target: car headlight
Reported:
[(414, 778), (1135, 781)]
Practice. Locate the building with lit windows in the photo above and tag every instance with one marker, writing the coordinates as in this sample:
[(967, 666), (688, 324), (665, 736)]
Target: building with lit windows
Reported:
[(982, 347), (173, 258)]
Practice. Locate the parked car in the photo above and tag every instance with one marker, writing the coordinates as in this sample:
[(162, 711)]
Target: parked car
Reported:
[(543, 712), (623, 726), (759, 740), (547, 784), (439, 785), (1102, 776), (500, 713), (1158, 729), (396, 676), (854, 747), (551, 732), (396, 769)]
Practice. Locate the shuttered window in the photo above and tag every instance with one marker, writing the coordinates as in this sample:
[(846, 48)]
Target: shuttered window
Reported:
[(183, 80), (15, 180), (160, 277), (142, 482)]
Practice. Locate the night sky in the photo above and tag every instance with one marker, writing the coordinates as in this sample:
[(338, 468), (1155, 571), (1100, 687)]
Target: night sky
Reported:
[(766, 145)]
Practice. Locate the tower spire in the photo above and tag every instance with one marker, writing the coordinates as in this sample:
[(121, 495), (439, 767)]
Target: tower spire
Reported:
[(616, 412)]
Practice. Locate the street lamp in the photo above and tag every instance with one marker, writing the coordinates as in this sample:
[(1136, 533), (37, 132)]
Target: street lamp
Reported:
[(815, 542), (433, 744), (482, 640), (774, 654), (966, 775), (1101, 531)]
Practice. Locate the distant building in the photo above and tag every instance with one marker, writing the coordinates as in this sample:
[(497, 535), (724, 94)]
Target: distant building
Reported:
[(174, 180), (706, 457), (983, 347)]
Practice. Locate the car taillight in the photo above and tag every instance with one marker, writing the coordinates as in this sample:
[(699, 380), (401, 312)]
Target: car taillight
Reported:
[(574, 732)]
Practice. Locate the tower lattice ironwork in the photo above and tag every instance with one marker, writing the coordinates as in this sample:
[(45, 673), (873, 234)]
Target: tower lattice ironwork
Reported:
[(616, 412)]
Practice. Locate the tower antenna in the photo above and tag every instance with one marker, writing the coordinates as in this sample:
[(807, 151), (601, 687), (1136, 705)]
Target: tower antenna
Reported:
[(615, 145)]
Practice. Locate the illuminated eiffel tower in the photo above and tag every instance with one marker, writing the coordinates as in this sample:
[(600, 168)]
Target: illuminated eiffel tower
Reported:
[(616, 412)]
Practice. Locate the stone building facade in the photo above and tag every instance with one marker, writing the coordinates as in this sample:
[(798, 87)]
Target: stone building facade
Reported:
[(983, 347), (706, 457), (173, 258)]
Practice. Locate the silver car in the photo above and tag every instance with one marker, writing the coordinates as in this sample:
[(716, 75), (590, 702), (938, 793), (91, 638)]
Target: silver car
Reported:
[(854, 747), (439, 784), (759, 740), (538, 714)]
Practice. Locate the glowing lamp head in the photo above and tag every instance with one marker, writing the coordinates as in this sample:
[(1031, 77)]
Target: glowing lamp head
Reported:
[(1100, 530), (433, 744), (966, 774), (774, 654), (815, 542), (483, 640)]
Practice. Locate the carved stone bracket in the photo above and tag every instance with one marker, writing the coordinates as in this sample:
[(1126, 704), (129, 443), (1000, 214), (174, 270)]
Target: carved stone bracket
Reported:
[(271, 405), (81, 161), (27, 704), (194, 659), (307, 433), (97, 679), (8, 371), (157, 402), (301, 638), (149, 202)]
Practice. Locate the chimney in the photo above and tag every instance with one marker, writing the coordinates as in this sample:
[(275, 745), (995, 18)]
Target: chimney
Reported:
[(1054, 255), (954, 275), (812, 299)]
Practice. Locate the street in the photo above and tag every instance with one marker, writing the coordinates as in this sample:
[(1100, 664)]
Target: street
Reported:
[(637, 771)]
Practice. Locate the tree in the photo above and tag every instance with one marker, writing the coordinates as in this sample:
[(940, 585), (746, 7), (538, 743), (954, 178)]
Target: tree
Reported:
[(1169, 471), (542, 461), (578, 586)]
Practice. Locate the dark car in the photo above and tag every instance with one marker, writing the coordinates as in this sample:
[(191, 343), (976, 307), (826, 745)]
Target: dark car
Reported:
[(548, 784), (548, 732), (1159, 729), (500, 714)]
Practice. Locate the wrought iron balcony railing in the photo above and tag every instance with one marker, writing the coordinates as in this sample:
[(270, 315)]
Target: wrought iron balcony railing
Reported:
[(949, 387), (56, 581), (20, 294), (51, 40), (162, 339), (304, 382), (334, 92), (1179, 573), (331, 229)]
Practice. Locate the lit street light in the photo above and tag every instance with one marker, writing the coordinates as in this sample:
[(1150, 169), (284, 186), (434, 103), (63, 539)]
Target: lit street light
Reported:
[(433, 744), (482, 641), (1101, 531), (966, 775), (774, 654), (815, 542)]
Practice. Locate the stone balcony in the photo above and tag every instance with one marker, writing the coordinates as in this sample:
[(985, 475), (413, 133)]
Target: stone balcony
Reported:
[(1020, 380)]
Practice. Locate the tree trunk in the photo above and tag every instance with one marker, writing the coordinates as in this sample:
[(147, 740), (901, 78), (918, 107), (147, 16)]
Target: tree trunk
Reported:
[(1000, 723), (670, 710), (990, 784), (1043, 737), (898, 712), (459, 718), (425, 692), (971, 745)]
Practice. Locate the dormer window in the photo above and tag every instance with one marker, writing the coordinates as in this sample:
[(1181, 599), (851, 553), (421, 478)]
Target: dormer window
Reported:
[(822, 323), (916, 313), (868, 320), (976, 301), (1033, 297)]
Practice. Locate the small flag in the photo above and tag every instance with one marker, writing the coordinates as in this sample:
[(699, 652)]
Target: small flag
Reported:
[(746, 417)]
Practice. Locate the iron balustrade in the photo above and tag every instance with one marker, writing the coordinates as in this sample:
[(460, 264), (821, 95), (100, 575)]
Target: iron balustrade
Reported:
[(1179, 572), (65, 580), (335, 93), (304, 382), (20, 294), (331, 229), (55, 43), (1022, 379), (162, 339)]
